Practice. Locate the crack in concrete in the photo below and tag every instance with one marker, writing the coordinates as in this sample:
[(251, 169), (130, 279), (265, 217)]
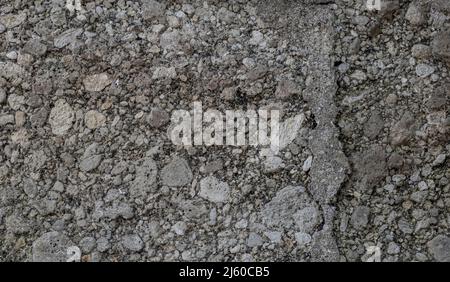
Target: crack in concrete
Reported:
[(311, 28)]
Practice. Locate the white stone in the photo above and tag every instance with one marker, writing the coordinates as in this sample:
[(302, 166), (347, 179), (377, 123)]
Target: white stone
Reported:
[(307, 164), (61, 117), (97, 82), (423, 70)]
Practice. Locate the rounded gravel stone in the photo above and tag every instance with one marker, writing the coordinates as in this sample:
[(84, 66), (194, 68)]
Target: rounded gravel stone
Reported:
[(51, 247)]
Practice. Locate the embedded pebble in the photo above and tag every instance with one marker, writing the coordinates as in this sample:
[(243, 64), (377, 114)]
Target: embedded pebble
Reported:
[(61, 117)]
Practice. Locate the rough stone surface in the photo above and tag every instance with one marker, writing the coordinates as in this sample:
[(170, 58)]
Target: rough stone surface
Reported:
[(68, 37), (286, 89), (360, 217), (441, 46), (416, 13), (51, 247), (133, 243), (87, 99), (439, 247), (13, 20), (94, 119), (214, 190), (145, 178), (176, 173), (61, 117), (97, 82), (291, 208)]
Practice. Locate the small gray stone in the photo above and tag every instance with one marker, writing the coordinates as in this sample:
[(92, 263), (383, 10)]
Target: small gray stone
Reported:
[(17, 224), (90, 163), (374, 125), (158, 118), (441, 46), (419, 196), (359, 75), (307, 219), (257, 38), (61, 117), (393, 248), (6, 119), (405, 226), (58, 186), (163, 72), (11, 70), (119, 168), (424, 70), (152, 10), (225, 15), (51, 247), (94, 119), (302, 238), (176, 173), (179, 228), (170, 40), (67, 37), (440, 159), (96, 82), (361, 20), (289, 130), (13, 20), (370, 166), (87, 244), (360, 217), (395, 161), (274, 236), (144, 181), (421, 51), (103, 244), (35, 47), (58, 16), (307, 164), (439, 247), (439, 98), (403, 130), (273, 164), (11, 55), (123, 210), (416, 14), (39, 118), (30, 187), (214, 190), (291, 209), (228, 93), (36, 160), (254, 240), (132, 242)]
